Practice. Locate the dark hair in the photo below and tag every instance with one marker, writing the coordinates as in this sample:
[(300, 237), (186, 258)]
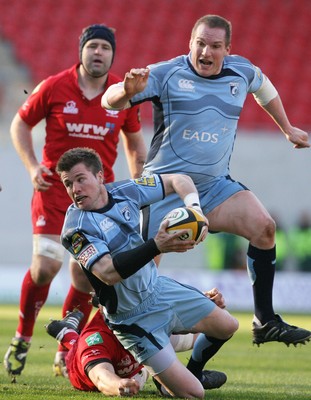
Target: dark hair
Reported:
[(214, 21), (84, 155)]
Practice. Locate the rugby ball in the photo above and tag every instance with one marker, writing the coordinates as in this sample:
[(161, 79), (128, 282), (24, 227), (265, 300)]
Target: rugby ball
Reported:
[(186, 218)]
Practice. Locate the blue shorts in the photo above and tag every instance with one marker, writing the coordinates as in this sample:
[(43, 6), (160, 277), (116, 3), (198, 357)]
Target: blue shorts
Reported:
[(211, 196), (171, 308)]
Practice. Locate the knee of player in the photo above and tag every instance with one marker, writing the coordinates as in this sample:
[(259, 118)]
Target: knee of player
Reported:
[(229, 327), (269, 226), (40, 274), (192, 392), (233, 326), (198, 393), (264, 230)]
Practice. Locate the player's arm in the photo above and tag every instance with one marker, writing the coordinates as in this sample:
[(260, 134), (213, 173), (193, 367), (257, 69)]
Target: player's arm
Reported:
[(117, 96), (298, 137), (268, 98), (111, 270), (182, 185), (135, 151), (107, 382), (21, 134)]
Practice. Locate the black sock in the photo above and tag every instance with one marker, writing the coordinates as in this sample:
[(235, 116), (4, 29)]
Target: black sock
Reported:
[(261, 268), (204, 349)]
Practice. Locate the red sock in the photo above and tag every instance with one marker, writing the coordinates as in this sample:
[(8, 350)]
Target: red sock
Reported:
[(80, 300), (69, 339), (32, 299)]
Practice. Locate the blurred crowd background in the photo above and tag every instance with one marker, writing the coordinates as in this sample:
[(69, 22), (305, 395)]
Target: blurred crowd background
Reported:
[(40, 37), (274, 34)]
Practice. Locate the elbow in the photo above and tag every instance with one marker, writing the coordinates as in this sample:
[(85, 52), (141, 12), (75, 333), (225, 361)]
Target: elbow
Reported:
[(109, 279)]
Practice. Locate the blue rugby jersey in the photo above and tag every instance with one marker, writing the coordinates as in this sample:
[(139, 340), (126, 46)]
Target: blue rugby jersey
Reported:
[(196, 117), (89, 235)]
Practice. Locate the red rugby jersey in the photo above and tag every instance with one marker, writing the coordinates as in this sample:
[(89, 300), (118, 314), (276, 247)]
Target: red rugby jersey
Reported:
[(97, 342), (74, 121)]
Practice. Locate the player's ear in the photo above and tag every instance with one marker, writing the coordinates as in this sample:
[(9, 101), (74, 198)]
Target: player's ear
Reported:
[(100, 176), (228, 49)]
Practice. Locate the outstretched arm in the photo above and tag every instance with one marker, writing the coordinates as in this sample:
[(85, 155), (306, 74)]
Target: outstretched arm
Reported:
[(268, 98), (117, 96), (298, 137), (107, 382)]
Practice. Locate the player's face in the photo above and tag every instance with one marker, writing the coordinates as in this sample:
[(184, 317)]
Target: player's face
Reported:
[(85, 189), (97, 57), (208, 49)]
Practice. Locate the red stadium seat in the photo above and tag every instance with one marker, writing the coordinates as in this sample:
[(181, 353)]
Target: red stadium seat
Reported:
[(273, 35)]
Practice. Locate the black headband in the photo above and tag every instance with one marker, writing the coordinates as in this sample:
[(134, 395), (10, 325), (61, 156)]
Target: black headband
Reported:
[(97, 31)]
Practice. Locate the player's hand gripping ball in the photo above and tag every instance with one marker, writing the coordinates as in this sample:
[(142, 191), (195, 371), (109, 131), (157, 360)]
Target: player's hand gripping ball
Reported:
[(189, 219)]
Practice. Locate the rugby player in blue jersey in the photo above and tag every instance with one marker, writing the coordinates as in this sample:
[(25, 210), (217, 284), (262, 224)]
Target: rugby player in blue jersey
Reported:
[(197, 100), (102, 232)]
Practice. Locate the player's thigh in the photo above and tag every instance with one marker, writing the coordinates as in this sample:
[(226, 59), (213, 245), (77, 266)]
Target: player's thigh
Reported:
[(180, 381), (219, 324), (242, 214)]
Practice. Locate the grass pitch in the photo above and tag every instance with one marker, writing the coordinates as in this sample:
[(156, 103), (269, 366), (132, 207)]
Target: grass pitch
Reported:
[(270, 372)]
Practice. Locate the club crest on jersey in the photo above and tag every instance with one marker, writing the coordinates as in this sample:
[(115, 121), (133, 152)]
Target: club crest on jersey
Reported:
[(70, 108), (234, 88), (146, 181), (126, 213)]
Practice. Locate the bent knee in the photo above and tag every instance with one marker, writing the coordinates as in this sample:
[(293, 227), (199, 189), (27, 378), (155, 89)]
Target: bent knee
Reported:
[(198, 394), (41, 274), (269, 227), (228, 328), (264, 232), (232, 327), (196, 391)]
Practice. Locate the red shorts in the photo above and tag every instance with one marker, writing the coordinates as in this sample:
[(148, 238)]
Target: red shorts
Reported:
[(48, 209)]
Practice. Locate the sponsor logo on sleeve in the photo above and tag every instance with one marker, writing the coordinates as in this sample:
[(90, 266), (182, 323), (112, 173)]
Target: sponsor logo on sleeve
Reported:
[(86, 254), (95, 338), (77, 242), (146, 181)]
